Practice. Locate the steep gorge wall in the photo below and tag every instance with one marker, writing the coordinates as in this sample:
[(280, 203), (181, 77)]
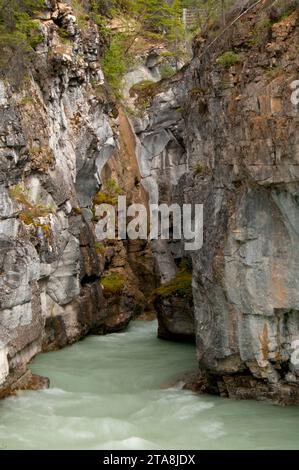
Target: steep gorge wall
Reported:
[(223, 136), (55, 138), (237, 138), (163, 160), (243, 128), (63, 138), (131, 262)]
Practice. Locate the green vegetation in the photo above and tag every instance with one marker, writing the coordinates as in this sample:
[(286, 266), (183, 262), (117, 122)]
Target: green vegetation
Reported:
[(113, 284), (101, 23), (198, 168), (30, 212), (19, 35), (212, 13), (166, 70), (285, 9), (114, 63), (261, 31), (64, 35), (144, 91), (263, 23), (141, 86), (228, 59), (26, 101), (109, 195), (100, 248), (154, 20), (287, 13), (273, 72), (80, 13), (180, 286)]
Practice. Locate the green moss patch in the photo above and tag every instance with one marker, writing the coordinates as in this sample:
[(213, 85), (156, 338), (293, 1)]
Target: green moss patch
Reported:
[(100, 248), (228, 59), (198, 168), (113, 284), (180, 286), (109, 195)]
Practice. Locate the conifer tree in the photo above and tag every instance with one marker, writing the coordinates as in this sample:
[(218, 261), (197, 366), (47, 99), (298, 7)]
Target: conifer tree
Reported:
[(19, 34)]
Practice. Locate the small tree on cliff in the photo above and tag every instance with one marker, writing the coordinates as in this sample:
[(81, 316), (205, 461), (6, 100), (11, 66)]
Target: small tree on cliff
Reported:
[(175, 31), (19, 34), (152, 19)]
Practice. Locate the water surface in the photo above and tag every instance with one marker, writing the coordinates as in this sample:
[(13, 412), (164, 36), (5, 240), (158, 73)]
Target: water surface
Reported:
[(113, 393)]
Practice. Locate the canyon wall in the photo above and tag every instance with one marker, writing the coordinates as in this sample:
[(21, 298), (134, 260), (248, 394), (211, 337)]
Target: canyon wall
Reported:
[(242, 127), (163, 160), (223, 133), (56, 135), (63, 141)]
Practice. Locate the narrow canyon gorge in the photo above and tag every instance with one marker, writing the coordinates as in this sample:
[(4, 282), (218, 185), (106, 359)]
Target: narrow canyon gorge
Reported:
[(220, 131)]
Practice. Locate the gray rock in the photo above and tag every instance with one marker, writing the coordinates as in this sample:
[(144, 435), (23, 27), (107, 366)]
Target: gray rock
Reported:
[(53, 147), (235, 150)]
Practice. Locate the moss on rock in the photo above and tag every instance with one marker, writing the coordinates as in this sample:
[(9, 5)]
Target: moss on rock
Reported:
[(112, 284), (179, 286)]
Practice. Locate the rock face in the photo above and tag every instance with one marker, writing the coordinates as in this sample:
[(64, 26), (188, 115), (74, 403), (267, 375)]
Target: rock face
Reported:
[(55, 138), (243, 131), (163, 161), (129, 263), (222, 132), (238, 147), (176, 318)]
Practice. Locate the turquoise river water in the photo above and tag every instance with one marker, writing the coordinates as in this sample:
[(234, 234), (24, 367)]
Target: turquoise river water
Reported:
[(113, 392)]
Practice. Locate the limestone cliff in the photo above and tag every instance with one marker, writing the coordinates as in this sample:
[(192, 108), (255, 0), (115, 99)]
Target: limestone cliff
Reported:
[(129, 268), (220, 132), (56, 135), (223, 133), (242, 128)]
